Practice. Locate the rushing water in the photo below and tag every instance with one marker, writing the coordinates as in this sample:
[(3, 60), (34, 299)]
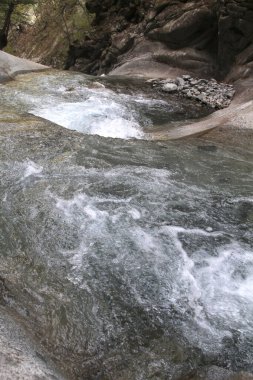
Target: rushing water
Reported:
[(131, 259), (82, 103)]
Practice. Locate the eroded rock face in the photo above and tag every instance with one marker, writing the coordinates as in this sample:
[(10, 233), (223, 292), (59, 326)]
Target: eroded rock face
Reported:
[(155, 37)]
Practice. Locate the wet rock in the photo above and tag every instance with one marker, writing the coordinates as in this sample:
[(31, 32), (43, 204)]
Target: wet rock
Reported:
[(169, 87), (19, 356), (241, 376), (180, 82), (207, 148), (216, 373), (214, 94)]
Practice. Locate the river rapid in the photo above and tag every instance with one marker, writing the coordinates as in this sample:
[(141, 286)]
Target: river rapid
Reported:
[(127, 258)]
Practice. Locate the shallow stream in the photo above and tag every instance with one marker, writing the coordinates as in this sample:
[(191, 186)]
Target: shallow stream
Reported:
[(127, 258)]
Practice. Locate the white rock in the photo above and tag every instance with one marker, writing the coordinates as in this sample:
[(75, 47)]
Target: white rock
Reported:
[(180, 82), (169, 87)]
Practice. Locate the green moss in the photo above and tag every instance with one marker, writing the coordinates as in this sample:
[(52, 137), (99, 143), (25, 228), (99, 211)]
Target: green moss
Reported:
[(50, 29), (9, 49)]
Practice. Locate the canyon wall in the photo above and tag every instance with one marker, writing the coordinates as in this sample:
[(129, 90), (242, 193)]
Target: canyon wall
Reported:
[(154, 38), (160, 37)]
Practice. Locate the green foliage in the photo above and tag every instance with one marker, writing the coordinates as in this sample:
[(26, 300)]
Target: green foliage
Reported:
[(45, 29), (69, 17)]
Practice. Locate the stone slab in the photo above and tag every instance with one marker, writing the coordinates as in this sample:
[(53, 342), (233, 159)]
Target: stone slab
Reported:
[(11, 66)]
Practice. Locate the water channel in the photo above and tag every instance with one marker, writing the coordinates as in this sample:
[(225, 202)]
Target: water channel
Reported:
[(128, 258)]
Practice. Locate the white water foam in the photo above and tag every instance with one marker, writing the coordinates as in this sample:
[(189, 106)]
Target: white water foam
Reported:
[(103, 117), (213, 286), (226, 284), (31, 169)]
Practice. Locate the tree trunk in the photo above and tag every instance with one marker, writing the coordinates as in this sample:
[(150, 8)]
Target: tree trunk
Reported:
[(6, 27)]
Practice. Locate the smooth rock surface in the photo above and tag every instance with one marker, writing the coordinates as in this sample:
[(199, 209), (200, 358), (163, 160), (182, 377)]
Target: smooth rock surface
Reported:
[(11, 66), (19, 357), (169, 87)]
